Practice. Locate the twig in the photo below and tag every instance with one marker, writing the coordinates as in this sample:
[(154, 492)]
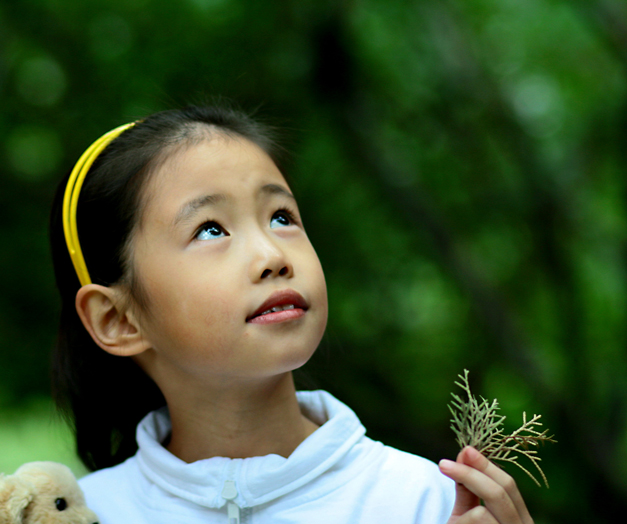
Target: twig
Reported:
[(478, 424)]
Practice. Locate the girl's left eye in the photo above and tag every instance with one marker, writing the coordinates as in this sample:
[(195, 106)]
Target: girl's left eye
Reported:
[(282, 218), (210, 230)]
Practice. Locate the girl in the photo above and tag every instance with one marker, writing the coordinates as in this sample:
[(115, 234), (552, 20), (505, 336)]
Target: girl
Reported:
[(190, 292)]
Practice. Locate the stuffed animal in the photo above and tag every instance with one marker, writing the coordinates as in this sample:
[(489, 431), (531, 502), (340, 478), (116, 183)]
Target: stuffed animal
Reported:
[(43, 493)]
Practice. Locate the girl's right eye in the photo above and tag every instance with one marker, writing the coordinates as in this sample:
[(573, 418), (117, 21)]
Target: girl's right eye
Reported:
[(210, 230)]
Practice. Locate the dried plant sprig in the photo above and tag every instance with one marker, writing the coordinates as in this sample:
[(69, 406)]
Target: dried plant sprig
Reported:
[(477, 423)]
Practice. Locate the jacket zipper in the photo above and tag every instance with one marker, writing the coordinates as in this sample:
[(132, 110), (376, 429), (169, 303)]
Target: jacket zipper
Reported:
[(229, 492)]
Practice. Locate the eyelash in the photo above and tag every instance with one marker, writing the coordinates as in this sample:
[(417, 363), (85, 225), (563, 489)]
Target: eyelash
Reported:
[(205, 225), (288, 212)]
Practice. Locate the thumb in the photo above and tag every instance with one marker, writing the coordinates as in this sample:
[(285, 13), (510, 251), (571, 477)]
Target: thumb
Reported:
[(465, 500)]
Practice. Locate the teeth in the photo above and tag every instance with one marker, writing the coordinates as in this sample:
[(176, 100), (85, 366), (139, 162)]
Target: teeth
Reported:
[(278, 308)]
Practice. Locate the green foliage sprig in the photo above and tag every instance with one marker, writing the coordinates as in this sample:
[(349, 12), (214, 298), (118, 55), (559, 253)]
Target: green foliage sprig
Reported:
[(478, 424)]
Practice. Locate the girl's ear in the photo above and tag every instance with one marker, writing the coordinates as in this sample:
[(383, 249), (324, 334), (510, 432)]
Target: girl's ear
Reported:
[(112, 326)]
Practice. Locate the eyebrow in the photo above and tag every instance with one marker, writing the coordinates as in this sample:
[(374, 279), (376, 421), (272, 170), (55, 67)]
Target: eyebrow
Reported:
[(191, 207), (275, 189)]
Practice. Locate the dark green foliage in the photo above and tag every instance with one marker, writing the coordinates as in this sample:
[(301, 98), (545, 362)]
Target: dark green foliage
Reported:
[(461, 167)]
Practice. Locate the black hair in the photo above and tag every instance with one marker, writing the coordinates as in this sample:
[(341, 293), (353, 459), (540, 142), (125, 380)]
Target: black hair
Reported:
[(102, 396)]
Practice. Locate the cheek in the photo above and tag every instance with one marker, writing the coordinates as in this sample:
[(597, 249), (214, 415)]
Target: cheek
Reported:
[(318, 288), (193, 315), (324, 307), (317, 276), (220, 320)]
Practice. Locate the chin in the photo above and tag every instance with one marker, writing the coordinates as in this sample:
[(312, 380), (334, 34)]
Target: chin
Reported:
[(297, 359)]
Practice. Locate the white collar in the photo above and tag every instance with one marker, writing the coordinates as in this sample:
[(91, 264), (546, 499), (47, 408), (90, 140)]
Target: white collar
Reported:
[(258, 479)]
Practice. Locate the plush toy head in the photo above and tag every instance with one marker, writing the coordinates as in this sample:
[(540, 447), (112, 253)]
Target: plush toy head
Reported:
[(43, 493)]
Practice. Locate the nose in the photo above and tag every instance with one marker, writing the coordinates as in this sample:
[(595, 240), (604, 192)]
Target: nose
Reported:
[(269, 260)]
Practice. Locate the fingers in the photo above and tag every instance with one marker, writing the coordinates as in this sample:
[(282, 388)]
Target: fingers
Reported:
[(488, 482), (474, 459), (477, 515), (496, 499)]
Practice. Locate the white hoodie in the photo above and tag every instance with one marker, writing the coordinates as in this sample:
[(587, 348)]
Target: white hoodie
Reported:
[(336, 476)]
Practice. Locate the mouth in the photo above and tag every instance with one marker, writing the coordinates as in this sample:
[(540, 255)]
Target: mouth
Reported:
[(279, 307)]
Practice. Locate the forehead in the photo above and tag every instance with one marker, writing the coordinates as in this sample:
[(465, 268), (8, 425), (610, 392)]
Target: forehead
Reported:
[(225, 165)]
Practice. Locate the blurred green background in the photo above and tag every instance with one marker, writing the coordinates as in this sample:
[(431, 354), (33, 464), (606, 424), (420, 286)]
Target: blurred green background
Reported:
[(461, 167)]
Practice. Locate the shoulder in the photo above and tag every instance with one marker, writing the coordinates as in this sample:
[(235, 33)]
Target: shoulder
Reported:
[(418, 484), (109, 478), (397, 459), (411, 469), (111, 493), (378, 483), (386, 474)]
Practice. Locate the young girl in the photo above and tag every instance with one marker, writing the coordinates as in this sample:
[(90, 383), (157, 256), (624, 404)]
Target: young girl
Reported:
[(190, 292)]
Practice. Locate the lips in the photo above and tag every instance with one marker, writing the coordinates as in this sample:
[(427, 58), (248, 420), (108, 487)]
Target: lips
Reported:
[(280, 306)]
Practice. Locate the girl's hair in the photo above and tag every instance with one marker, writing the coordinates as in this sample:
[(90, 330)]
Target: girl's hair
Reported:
[(102, 396)]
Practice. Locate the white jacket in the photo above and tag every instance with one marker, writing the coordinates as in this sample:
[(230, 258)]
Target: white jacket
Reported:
[(336, 476)]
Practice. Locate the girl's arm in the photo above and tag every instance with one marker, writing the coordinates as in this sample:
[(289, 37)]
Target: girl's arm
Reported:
[(479, 479)]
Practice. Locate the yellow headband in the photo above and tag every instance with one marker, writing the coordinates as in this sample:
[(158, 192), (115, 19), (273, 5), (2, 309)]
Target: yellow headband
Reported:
[(70, 199)]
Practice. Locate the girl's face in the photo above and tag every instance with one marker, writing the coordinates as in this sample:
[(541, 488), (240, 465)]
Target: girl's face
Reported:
[(220, 243)]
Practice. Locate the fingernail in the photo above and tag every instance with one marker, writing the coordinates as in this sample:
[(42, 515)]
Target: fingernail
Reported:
[(472, 451), (446, 465)]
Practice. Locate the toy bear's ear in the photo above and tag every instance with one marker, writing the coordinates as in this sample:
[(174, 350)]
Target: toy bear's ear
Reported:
[(15, 495)]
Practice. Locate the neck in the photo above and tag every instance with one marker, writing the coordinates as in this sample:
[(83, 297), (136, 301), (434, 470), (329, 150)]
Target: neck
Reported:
[(239, 422)]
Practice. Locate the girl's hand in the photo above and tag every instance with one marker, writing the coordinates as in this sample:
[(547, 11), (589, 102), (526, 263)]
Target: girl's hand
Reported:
[(479, 479)]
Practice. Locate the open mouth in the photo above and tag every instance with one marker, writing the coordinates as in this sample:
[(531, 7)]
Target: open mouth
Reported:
[(279, 307)]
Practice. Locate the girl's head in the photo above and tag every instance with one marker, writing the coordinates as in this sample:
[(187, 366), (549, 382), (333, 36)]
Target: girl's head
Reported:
[(189, 232)]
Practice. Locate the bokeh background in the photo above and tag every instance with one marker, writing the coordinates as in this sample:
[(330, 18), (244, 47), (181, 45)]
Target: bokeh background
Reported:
[(462, 171)]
